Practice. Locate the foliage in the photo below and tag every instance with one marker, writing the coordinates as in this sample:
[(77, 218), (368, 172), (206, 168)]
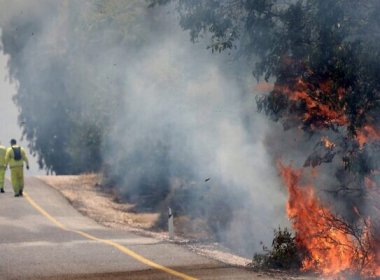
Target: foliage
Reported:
[(326, 48), (324, 60), (67, 96), (284, 253)]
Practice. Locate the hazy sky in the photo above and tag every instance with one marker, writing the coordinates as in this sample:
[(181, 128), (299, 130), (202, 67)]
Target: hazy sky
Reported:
[(9, 127)]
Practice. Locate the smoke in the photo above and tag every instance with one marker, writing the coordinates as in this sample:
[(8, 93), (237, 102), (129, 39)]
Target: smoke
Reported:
[(175, 126), (10, 129), (186, 119)]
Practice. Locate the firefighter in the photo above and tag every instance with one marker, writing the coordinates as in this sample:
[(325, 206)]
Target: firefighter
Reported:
[(15, 158), (3, 150)]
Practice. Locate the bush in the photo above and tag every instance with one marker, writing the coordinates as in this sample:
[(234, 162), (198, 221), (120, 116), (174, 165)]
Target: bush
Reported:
[(284, 253)]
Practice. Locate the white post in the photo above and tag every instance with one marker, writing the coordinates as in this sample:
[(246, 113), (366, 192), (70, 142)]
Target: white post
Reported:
[(171, 224)]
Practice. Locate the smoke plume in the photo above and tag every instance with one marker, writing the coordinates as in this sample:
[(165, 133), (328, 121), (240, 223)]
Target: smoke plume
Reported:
[(170, 124)]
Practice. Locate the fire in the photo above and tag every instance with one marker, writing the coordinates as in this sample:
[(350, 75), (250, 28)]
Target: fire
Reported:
[(327, 143), (331, 246), (324, 106), (367, 133), (315, 108), (317, 112)]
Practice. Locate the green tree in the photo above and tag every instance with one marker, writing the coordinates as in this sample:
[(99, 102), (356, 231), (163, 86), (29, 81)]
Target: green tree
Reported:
[(67, 94), (323, 58)]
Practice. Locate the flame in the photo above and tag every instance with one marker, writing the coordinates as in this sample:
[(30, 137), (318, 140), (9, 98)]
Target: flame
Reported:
[(327, 143), (323, 106), (331, 247), (366, 134), (317, 112)]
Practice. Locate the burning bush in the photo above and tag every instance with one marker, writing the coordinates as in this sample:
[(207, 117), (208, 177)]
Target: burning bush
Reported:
[(333, 244), (324, 59)]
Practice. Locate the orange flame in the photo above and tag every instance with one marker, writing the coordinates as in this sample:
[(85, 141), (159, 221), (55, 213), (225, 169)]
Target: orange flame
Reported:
[(331, 247), (323, 111), (322, 107), (366, 134), (327, 143)]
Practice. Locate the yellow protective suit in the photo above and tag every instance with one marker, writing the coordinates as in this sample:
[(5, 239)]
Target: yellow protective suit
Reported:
[(17, 168), (3, 151)]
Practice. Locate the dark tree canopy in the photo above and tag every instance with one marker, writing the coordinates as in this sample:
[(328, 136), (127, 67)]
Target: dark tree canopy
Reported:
[(323, 58), (326, 49), (66, 99), (323, 61)]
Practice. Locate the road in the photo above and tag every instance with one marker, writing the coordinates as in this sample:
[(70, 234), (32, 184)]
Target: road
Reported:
[(43, 237)]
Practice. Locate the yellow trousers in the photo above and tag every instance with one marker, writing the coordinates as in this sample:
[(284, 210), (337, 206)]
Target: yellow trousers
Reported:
[(17, 178), (2, 176)]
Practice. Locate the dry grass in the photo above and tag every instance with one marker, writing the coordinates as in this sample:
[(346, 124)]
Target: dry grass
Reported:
[(86, 194)]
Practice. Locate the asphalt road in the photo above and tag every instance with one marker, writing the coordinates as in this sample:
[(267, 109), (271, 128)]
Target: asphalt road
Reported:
[(43, 237)]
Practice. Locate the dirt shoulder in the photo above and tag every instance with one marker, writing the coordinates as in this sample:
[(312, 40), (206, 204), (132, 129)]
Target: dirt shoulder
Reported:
[(87, 195)]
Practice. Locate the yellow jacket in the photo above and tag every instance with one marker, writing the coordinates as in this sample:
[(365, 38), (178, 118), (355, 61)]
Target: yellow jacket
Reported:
[(3, 151), (9, 157)]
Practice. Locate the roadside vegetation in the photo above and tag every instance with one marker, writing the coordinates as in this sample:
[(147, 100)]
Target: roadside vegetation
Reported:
[(319, 62)]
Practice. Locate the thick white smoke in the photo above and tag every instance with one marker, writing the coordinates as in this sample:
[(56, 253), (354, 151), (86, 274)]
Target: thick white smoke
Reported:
[(9, 127), (178, 94), (183, 113)]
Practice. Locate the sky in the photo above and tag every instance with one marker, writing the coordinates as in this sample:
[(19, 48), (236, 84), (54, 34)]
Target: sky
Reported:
[(9, 112)]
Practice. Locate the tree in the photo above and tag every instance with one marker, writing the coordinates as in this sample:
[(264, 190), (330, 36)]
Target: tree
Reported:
[(324, 61), (66, 98)]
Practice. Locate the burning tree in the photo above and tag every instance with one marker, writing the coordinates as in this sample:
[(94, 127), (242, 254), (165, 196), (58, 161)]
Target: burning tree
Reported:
[(322, 61), (333, 244)]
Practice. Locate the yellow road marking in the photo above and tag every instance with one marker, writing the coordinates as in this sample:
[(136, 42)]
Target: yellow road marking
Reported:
[(120, 247)]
